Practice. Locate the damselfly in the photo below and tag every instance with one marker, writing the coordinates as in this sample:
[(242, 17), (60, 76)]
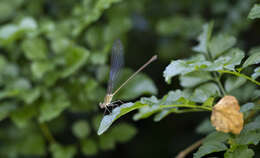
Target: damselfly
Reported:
[(117, 59)]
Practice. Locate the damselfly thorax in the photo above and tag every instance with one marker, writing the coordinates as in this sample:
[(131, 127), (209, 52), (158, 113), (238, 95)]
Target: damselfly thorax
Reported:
[(107, 101), (116, 63)]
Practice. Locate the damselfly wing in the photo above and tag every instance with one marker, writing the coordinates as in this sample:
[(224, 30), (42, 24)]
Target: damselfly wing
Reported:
[(117, 59)]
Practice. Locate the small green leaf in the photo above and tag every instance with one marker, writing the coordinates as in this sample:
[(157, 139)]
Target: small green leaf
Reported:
[(89, 147), (5, 109), (53, 108), (209, 102), (233, 83), (22, 116), (254, 12), (116, 113), (9, 33), (93, 15), (247, 107), (184, 26), (185, 66), (40, 68), (32, 144), (240, 152), (204, 38), (221, 43), (246, 138), (106, 142), (74, 59), (205, 127), (216, 137), (123, 132), (214, 142), (256, 73), (254, 50), (161, 115), (208, 148), (35, 48), (81, 129), (203, 92), (236, 55), (252, 59), (146, 112), (194, 78), (59, 151)]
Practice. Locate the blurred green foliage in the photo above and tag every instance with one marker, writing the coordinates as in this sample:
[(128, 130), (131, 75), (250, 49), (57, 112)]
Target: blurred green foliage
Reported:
[(54, 65)]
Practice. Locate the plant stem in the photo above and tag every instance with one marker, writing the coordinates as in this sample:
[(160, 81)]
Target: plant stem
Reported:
[(216, 76), (186, 106), (223, 91), (46, 132), (189, 149), (240, 75)]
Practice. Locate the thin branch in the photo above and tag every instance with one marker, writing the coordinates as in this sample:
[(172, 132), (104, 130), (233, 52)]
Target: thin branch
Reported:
[(186, 106), (46, 132), (189, 149), (222, 89), (240, 75)]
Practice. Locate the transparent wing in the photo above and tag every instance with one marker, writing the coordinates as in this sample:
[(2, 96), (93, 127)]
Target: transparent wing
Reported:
[(117, 61)]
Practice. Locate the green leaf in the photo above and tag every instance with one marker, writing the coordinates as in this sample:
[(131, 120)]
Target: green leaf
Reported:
[(89, 147), (246, 109), (22, 116), (204, 38), (179, 25), (123, 132), (81, 129), (12, 32), (205, 127), (221, 43), (162, 114), (254, 12), (216, 137), (212, 143), (139, 85), (53, 108), (59, 151), (146, 112), (246, 138), (240, 152), (107, 120), (93, 15), (32, 144), (5, 109), (233, 83), (256, 73), (254, 50), (184, 67), (35, 49), (209, 102), (252, 59), (106, 142), (236, 55), (204, 92), (208, 148), (40, 68), (7, 8), (194, 78), (74, 59)]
